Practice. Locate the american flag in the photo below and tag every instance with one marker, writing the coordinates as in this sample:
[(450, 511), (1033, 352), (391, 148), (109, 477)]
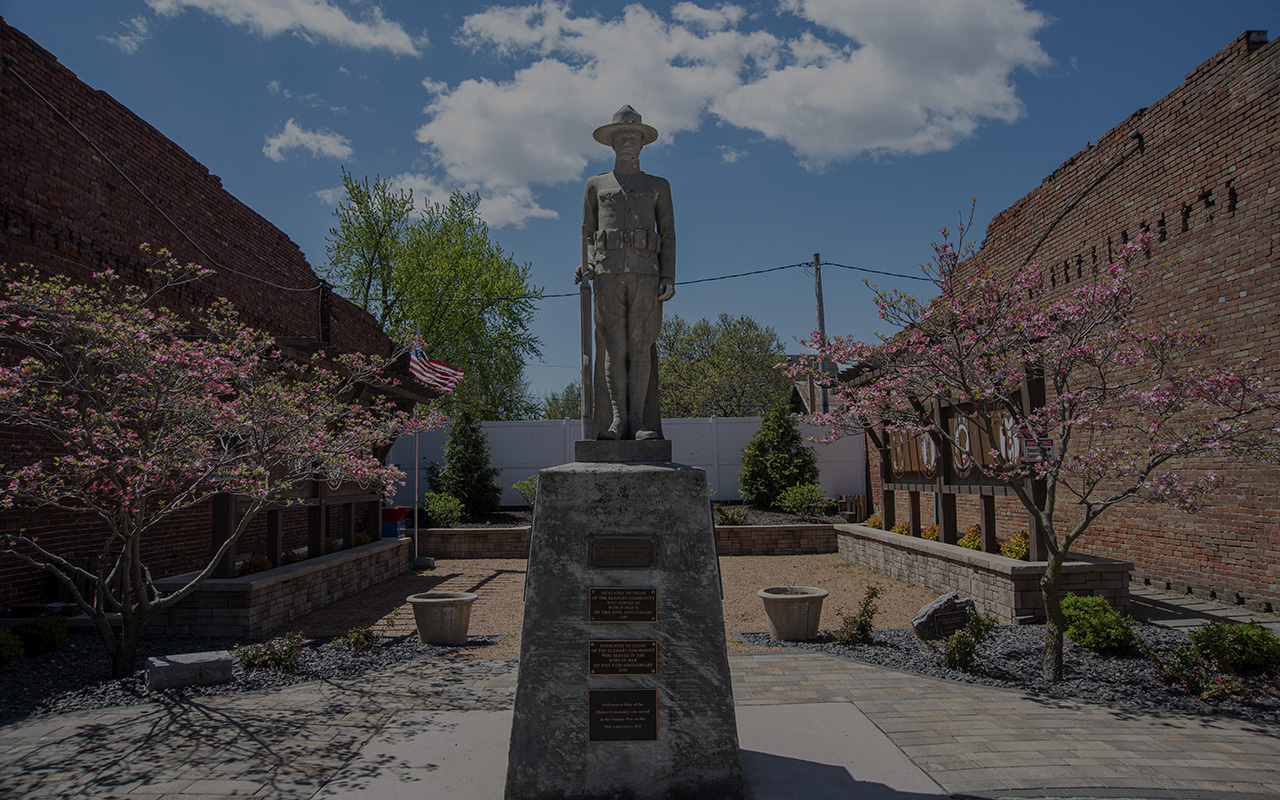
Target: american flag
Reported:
[(433, 373)]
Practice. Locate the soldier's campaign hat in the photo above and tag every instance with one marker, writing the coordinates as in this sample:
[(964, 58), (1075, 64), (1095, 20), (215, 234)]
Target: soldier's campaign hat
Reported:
[(625, 118)]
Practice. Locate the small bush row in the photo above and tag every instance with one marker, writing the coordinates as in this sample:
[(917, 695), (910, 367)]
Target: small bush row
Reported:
[(32, 637)]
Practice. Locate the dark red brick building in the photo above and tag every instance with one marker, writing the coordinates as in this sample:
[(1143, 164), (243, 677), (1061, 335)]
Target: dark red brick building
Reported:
[(1200, 169), (83, 182)]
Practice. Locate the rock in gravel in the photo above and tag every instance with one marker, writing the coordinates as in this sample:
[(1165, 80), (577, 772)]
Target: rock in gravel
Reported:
[(189, 669), (925, 622)]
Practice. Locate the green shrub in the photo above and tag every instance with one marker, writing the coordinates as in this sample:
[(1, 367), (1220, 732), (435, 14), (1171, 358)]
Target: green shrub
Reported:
[(1016, 546), (1093, 623), (873, 521), (931, 533), (776, 459), (443, 510), (1188, 670), (1240, 648), (279, 654), (730, 515), (42, 634), (357, 640), (902, 528), (256, 562), (805, 500), (960, 651), (466, 473), (972, 538), (10, 647), (528, 489), (332, 545), (291, 557), (857, 629), (360, 539)]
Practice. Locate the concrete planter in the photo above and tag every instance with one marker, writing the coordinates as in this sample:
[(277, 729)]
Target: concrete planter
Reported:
[(442, 617), (793, 611)]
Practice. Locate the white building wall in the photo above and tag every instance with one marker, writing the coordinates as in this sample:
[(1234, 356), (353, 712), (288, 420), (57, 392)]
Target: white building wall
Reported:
[(715, 444)]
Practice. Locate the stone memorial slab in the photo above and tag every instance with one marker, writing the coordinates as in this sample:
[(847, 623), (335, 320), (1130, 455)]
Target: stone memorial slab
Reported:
[(622, 715), (925, 621), (622, 657), (622, 451), (689, 746), (622, 604), (623, 552)]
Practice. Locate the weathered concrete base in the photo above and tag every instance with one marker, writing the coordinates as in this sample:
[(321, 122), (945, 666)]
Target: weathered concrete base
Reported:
[(695, 754), (617, 451), (188, 669)]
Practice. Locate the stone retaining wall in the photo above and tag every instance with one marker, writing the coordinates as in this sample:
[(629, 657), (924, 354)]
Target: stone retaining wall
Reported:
[(474, 542), (731, 540), (775, 540), (254, 605), (1005, 588)]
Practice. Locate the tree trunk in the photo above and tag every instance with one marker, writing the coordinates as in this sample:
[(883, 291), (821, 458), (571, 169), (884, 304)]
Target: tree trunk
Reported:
[(1055, 625), (124, 661)]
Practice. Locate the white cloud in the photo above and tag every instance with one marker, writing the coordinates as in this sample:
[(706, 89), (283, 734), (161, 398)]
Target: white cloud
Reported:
[(730, 154), (136, 32), (497, 208), (275, 88), (321, 144), (310, 19), (869, 77)]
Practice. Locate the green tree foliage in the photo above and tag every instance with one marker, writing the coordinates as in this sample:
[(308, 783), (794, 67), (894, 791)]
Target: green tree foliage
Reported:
[(725, 367), (466, 474), (437, 270), (776, 459), (564, 405)]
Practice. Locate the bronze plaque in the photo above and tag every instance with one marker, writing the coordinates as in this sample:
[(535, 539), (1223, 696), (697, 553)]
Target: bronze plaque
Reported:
[(622, 604), (622, 657), (622, 715), (950, 622), (623, 552)]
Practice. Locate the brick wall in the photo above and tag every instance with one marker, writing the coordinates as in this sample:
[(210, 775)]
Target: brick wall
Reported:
[(1200, 170), (65, 209)]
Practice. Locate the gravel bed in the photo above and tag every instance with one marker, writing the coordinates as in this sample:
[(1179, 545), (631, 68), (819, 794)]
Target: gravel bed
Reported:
[(78, 677), (1010, 658)]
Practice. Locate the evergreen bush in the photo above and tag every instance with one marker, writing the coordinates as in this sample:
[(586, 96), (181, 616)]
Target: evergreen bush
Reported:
[(805, 500), (1240, 648), (972, 538), (776, 459), (1093, 623), (42, 634), (443, 510), (466, 473), (10, 647), (858, 628)]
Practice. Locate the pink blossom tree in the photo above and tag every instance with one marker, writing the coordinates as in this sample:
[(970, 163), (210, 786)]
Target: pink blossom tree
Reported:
[(136, 415), (1131, 398)]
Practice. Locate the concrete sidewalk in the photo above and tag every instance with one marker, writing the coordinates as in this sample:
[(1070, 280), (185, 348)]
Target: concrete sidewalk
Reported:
[(847, 730)]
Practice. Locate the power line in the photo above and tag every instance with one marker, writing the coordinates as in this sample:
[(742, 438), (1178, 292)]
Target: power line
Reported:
[(735, 275)]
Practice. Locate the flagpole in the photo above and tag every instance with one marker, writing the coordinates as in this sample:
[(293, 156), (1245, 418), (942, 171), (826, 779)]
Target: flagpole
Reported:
[(417, 470)]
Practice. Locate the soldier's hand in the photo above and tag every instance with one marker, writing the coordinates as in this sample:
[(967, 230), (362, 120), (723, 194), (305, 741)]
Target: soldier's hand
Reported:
[(580, 274), (666, 289)]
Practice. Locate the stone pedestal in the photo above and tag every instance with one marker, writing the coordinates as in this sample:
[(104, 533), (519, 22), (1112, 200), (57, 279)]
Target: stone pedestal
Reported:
[(624, 686)]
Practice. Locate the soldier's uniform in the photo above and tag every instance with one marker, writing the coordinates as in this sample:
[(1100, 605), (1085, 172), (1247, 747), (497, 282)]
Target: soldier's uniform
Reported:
[(629, 227)]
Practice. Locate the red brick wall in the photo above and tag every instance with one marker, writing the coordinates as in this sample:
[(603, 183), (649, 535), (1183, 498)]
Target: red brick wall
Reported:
[(65, 209), (1200, 170)]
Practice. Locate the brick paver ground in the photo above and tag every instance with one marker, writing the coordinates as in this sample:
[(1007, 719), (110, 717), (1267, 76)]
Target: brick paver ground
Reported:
[(971, 740)]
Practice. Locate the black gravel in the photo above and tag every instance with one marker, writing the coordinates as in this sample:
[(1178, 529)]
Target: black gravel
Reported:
[(1011, 658), (78, 677)]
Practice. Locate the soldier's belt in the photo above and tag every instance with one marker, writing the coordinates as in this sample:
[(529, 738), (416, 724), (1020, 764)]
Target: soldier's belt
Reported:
[(639, 239)]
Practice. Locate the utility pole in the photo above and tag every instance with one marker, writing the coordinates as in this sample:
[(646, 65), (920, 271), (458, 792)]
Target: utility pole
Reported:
[(822, 321)]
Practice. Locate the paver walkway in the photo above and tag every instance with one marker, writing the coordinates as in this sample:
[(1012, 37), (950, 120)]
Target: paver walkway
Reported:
[(970, 740)]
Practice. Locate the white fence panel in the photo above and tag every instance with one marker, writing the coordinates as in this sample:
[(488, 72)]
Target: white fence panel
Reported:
[(715, 444)]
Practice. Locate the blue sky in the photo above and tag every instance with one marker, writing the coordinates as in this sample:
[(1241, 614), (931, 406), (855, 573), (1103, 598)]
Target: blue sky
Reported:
[(850, 128)]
